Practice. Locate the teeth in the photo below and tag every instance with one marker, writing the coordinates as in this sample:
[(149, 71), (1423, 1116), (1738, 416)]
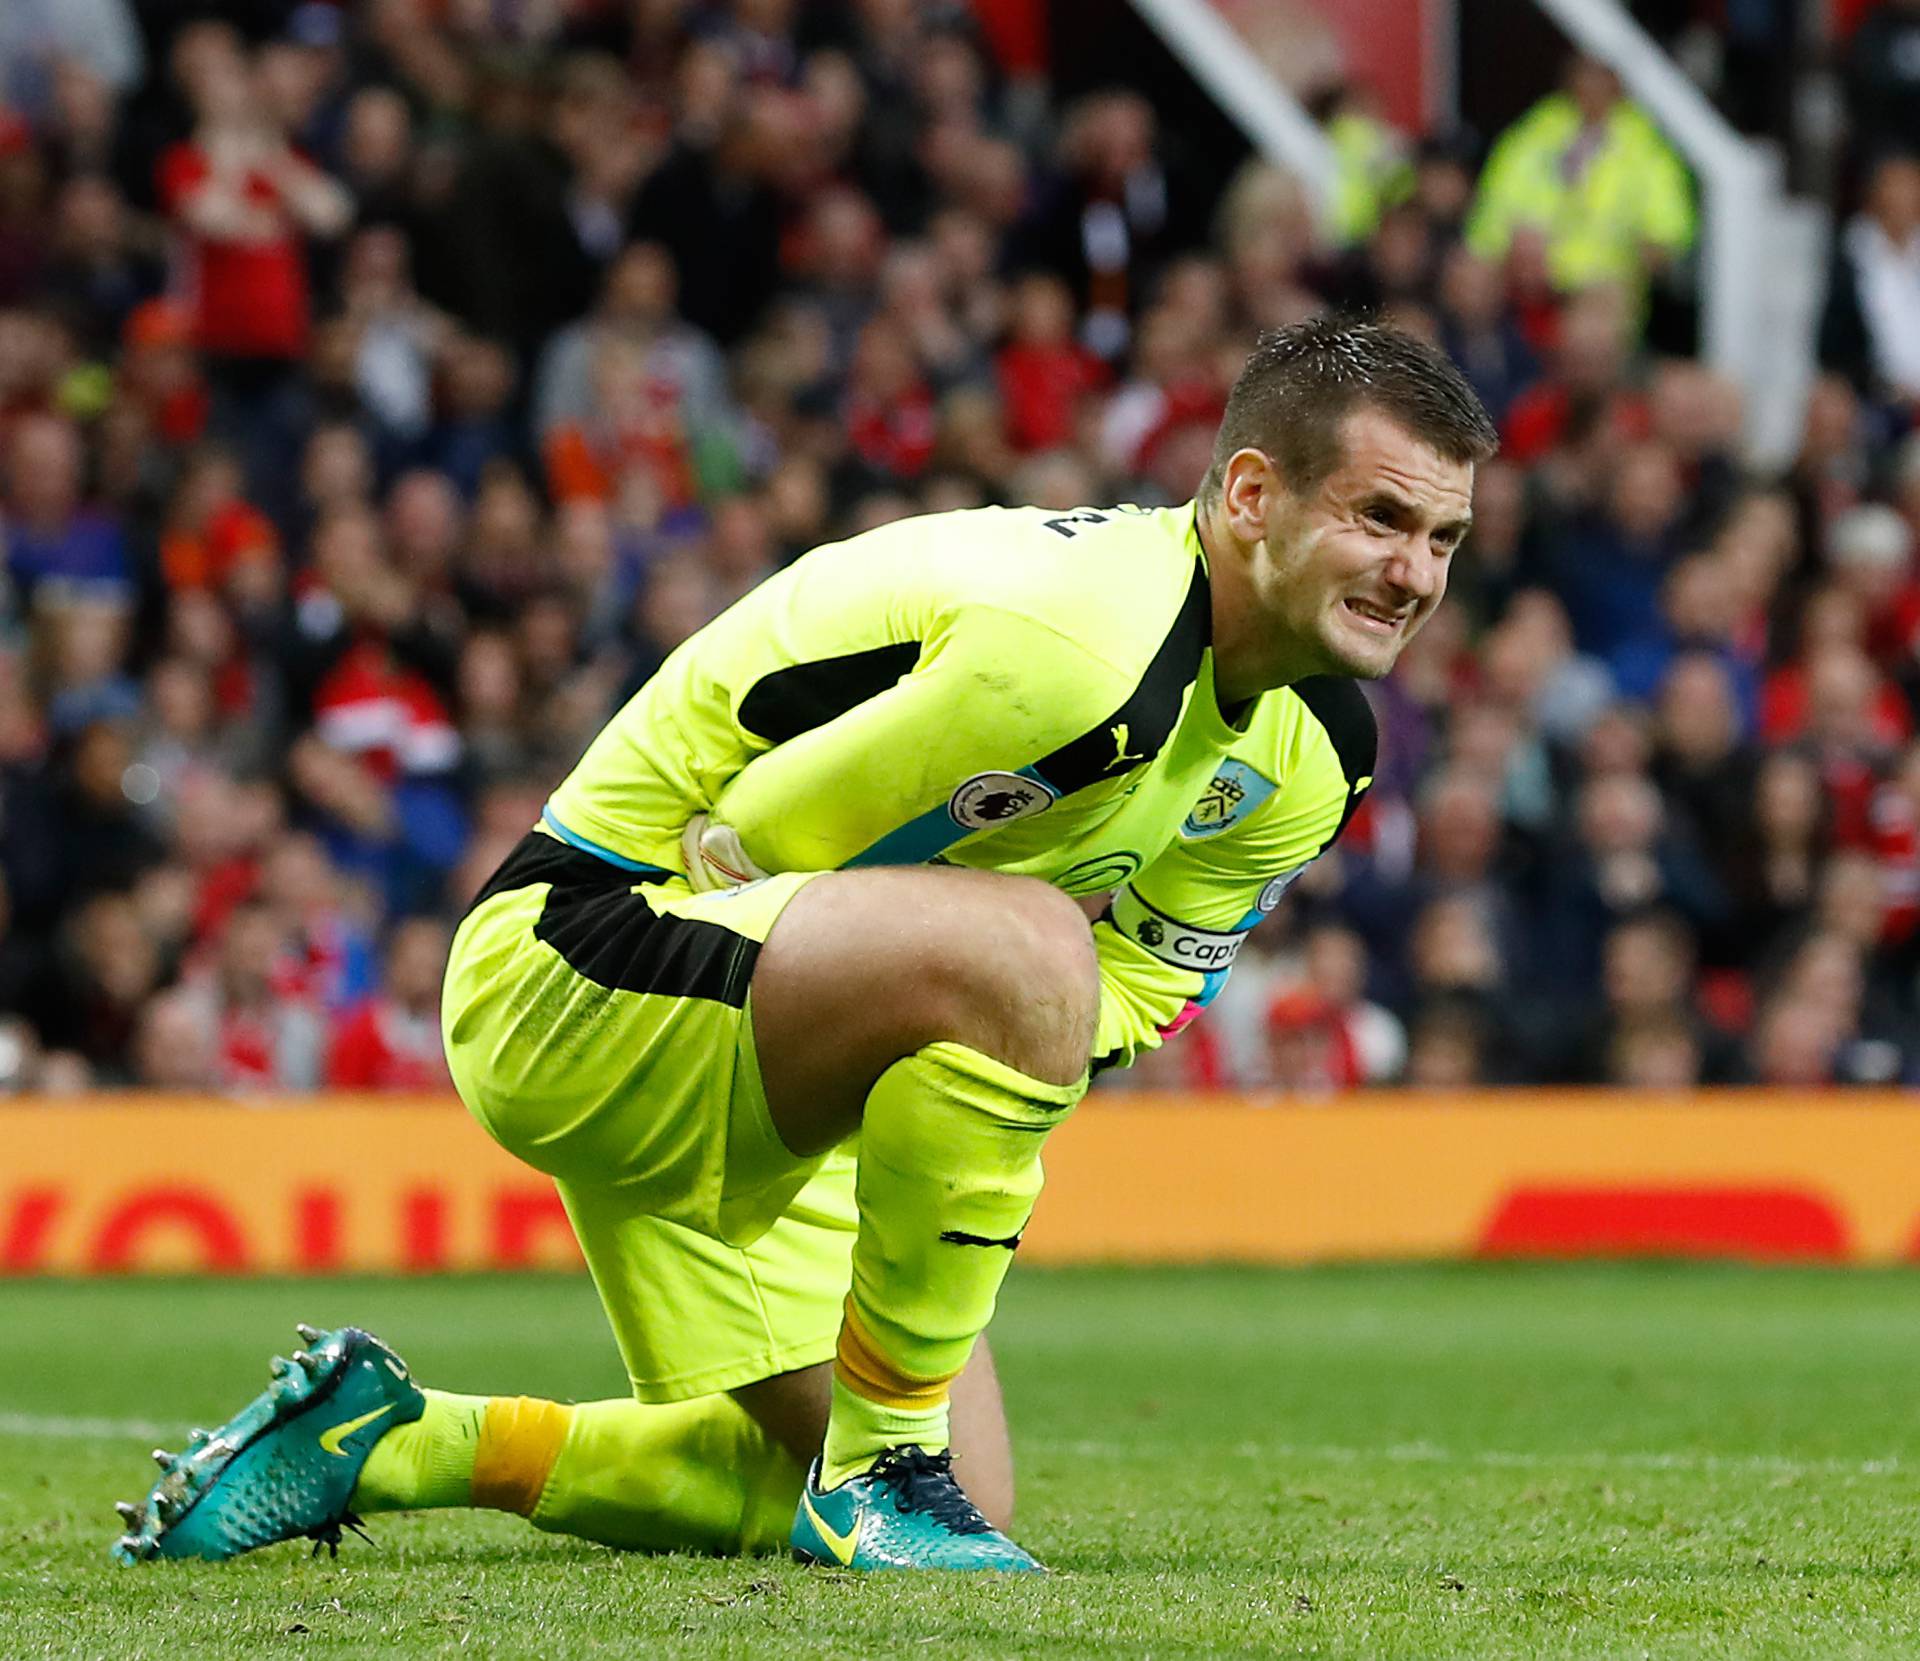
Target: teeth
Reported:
[(280, 1366), (308, 1334), (129, 1514), (197, 1436), (163, 1459), (308, 1363)]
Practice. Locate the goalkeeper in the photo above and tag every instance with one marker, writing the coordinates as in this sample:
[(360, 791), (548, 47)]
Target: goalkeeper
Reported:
[(793, 978)]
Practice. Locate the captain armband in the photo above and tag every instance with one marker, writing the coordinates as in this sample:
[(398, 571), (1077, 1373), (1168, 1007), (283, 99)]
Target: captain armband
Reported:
[(1204, 951)]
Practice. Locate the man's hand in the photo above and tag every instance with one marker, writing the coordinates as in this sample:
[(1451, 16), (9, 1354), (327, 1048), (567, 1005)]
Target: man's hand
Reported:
[(713, 856)]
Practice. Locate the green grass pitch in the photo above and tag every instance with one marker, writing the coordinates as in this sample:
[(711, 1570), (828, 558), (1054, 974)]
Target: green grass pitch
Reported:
[(1369, 1463)]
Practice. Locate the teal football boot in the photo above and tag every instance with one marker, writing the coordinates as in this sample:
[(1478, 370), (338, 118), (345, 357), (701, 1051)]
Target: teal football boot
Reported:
[(282, 1468), (905, 1513)]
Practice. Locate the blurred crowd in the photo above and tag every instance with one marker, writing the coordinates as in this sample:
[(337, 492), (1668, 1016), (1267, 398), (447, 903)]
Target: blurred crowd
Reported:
[(385, 390)]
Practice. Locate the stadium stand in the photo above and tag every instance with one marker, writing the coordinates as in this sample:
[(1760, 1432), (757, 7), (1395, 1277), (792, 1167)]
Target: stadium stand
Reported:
[(385, 390)]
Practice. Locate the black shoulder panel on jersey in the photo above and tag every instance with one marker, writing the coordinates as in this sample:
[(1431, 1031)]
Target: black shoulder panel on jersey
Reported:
[(1134, 732), (1342, 709), (794, 700)]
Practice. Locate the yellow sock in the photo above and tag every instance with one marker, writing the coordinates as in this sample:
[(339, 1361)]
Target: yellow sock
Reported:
[(697, 1475), (948, 1175), (427, 1464)]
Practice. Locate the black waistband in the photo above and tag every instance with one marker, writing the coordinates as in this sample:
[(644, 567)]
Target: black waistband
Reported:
[(537, 857)]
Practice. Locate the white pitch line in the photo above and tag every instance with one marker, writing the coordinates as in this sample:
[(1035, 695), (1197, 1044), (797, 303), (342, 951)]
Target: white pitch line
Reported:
[(1426, 1453), (60, 1427)]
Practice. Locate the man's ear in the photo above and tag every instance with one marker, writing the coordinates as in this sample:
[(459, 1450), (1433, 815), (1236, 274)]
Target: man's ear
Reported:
[(1247, 490)]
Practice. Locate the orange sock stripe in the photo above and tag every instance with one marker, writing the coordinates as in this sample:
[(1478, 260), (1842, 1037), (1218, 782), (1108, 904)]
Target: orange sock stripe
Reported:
[(862, 1368), (520, 1438)]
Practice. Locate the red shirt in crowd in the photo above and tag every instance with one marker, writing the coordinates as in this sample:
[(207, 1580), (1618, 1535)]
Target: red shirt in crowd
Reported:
[(377, 1045), (249, 299), (386, 714), (897, 436), (1041, 387)]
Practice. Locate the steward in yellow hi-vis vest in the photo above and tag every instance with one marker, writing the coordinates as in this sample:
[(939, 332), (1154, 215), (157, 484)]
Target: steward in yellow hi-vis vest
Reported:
[(1592, 174)]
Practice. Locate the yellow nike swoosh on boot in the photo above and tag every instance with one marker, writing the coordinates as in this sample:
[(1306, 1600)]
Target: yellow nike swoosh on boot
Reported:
[(331, 1439), (843, 1546)]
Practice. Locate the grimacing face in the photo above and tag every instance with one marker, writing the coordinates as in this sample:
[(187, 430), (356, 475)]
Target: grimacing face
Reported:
[(1351, 572)]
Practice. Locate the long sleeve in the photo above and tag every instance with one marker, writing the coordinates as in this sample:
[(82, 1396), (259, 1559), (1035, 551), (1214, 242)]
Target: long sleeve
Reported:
[(952, 746)]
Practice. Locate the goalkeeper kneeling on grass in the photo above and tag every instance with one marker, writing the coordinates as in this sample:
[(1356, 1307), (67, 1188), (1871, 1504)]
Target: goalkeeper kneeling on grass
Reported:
[(795, 975)]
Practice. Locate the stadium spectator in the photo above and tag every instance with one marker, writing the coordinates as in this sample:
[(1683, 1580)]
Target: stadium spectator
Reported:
[(392, 1041), (1112, 215), (1044, 375), (1586, 172), (1265, 232), (1458, 863), (680, 367), (1702, 762), (105, 966), (1480, 334), (1626, 858), (1335, 963), (96, 263), (260, 1036), (713, 206), (1870, 331), (1584, 406), (39, 37), (244, 202), (1310, 1052), (1447, 1046), (1607, 563), (1702, 612), (1371, 169), (473, 428), (1656, 1051), (1648, 981), (397, 337), (172, 1049), (57, 548)]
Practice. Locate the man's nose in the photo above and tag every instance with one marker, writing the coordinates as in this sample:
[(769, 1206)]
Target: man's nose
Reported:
[(1417, 570)]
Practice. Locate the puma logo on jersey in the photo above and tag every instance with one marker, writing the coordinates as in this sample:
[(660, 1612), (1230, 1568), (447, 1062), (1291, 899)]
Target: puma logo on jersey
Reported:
[(1121, 758)]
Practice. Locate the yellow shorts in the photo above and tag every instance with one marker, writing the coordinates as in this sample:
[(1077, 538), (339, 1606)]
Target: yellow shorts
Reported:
[(692, 1315), (597, 1024)]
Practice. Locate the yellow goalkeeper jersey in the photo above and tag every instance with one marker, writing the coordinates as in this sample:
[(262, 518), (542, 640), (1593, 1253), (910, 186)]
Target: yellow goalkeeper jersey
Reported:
[(1016, 690)]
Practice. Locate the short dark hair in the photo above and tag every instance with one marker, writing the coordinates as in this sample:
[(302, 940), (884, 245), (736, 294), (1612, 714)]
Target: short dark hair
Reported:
[(1299, 385)]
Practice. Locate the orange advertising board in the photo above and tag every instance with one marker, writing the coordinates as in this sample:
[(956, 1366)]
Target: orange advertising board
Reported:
[(163, 1184)]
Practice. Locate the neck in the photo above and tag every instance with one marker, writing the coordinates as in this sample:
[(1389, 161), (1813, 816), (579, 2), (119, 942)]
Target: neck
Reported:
[(1251, 653)]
